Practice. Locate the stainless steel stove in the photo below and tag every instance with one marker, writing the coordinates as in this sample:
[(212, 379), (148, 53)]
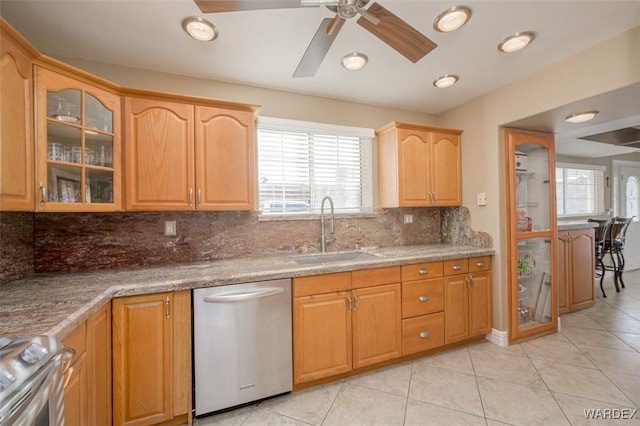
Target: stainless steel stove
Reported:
[(31, 380)]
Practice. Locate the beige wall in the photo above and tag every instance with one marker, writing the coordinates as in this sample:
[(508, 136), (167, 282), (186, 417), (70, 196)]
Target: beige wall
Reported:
[(607, 66), (275, 103)]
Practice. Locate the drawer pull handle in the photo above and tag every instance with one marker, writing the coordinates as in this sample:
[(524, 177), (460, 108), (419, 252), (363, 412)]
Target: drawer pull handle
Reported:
[(480, 264), (424, 334), (424, 298), (457, 267), (423, 271)]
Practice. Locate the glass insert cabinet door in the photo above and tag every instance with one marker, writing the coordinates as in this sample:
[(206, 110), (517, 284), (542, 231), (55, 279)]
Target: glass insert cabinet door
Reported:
[(530, 198), (79, 145)]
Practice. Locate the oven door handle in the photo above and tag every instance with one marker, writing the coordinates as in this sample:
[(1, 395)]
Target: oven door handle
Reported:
[(244, 295)]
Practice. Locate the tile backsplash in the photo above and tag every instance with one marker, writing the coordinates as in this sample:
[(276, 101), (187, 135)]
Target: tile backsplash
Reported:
[(57, 242)]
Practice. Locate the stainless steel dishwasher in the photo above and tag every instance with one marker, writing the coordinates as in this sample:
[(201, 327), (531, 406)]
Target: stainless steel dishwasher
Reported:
[(242, 343)]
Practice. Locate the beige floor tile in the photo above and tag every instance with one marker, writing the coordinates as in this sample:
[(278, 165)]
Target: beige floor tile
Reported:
[(493, 348), (457, 360), (564, 352), (630, 385), (264, 417), (518, 404), (632, 340), (230, 418), (622, 325), (579, 319), (581, 382), (446, 388), (614, 361), (311, 405), (357, 405), (576, 409), (496, 423), (393, 380), (421, 413), (597, 338), (509, 368)]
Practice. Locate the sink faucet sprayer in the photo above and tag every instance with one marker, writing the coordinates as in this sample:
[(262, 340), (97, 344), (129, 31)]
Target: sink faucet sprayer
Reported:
[(323, 241)]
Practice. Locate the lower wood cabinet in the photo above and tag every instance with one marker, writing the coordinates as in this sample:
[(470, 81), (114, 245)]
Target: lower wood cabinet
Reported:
[(467, 298), (346, 328), (576, 269), (87, 377), (151, 358)]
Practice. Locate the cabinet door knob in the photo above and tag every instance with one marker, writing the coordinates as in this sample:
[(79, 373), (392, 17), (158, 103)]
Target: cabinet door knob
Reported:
[(349, 303), (43, 194), (423, 271), (199, 197), (457, 267), (424, 298), (190, 197), (355, 302), (480, 264), (424, 334)]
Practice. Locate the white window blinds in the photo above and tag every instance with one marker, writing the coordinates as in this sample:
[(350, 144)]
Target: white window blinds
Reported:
[(299, 163), (579, 189)]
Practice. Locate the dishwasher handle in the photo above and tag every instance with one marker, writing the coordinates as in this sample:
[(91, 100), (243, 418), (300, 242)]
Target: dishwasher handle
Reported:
[(244, 295)]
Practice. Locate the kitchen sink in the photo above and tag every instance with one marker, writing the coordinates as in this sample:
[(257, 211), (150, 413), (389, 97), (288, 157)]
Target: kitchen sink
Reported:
[(340, 256)]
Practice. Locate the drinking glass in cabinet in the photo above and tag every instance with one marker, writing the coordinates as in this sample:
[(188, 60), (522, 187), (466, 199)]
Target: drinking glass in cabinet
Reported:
[(64, 143), (64, 105), (98, 149), (99, 186)]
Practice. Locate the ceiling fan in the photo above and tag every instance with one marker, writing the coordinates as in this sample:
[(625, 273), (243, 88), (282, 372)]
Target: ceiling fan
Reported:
[(380, 22)]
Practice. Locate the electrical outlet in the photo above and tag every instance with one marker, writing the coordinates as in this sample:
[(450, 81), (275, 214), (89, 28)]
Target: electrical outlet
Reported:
[(481, 199), (408, 218), (170, 228)]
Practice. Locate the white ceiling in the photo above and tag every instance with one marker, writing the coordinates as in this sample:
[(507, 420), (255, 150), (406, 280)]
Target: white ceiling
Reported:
[(263, 48)]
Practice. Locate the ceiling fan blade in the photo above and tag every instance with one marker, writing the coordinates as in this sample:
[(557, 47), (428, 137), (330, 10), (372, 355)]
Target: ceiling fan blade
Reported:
[(319, 46), (401, 36), (215, 6)]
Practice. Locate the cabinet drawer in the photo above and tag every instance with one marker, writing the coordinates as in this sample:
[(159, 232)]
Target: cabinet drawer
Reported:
[(422, 333), (320, 284), (477, 264), (456, 267), (77, 341), (374, 277), (422, 297), (420, 271)]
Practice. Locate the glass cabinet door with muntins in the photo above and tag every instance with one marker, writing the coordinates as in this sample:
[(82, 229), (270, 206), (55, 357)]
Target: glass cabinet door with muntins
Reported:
[(531, 229), (79, 145)]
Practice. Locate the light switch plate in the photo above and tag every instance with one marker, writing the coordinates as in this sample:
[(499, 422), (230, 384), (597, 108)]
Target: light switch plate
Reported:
[(482, 199), (408, 218), (170, 228)]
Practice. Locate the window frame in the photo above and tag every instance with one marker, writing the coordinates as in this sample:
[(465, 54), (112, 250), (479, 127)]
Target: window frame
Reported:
[(598, 193), (366, 136)]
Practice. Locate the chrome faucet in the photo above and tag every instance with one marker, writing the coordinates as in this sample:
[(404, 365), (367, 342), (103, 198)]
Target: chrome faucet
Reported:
[(323, 240)]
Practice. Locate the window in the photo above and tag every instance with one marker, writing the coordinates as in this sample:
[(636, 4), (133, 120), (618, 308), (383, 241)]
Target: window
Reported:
[(579, 189), (299, 163)]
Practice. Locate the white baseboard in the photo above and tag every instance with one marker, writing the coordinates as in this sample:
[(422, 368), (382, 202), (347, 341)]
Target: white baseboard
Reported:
[(500, 338)]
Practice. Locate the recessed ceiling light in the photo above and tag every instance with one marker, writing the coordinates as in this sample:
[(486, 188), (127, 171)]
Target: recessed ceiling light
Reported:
[(445, 81), (452, 19), (516, 42), (354, 61), (581, 117), (199, 28)]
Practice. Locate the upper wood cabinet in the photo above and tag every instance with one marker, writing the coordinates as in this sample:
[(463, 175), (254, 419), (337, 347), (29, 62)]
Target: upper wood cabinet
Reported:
[(418, 166), (16, 126), (78, 144), (185, 157)]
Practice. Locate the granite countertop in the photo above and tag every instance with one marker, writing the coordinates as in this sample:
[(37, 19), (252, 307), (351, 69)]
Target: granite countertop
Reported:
[(576, 224), (55, 304)]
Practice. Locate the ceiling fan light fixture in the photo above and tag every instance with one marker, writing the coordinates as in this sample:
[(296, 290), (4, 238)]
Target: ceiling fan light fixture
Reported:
[(199, 28), (445, 81), (452, 19), (354, 61), (517, 41), (581, 117)]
